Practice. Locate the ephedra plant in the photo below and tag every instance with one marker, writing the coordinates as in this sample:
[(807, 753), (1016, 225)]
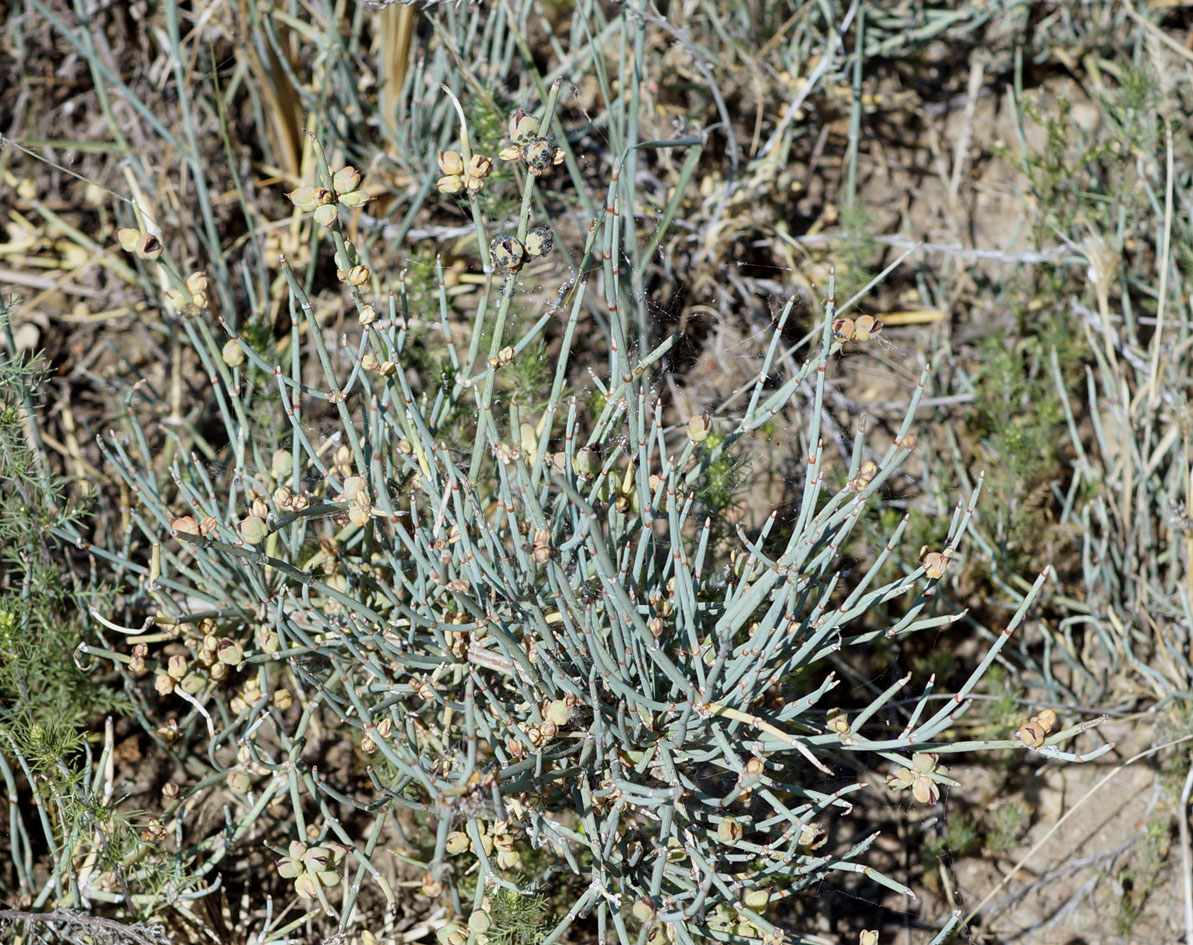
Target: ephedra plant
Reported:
[(551, 676)]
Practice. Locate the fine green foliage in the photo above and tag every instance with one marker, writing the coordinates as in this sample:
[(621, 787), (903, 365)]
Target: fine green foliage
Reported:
[(37, 631), (35, 643), (46, 699), (518, 917), (1140, 880), (960, 837), (1008, 824)]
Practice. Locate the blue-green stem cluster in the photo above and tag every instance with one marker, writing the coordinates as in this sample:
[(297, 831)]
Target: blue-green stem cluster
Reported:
[(521, 624)]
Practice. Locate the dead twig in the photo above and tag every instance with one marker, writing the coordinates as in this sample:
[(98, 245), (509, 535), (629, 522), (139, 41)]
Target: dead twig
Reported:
[(79, 927)]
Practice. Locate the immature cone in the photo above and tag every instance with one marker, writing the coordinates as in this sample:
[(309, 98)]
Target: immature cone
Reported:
[(450, 184), (174, 299), (452, 933), (812, 836), (268, 640), (586, 462), (432, 888), (919, 777), (756, 899), (925, 790), (866, 326), (253, 529), (643, 909), (752, 770), (128, 236), (923, 787), (506, 251), (185, 525), (353, 486), (935, 562), (290, 867), (539, 241), (558, 712), (729, 831), (281, 464), (196, 285), (361, 510), (307, 198), (346, 179), (148, 246), (144, 245), (529, 438), (306, 886), (523, 128), (136, 663), (230, 652), (454, 178), (698, 428), (541, 155), (480, 922), (354, 199), (866, 472), (475, 173), (232, 353), (451, 163), (1031, 734)]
